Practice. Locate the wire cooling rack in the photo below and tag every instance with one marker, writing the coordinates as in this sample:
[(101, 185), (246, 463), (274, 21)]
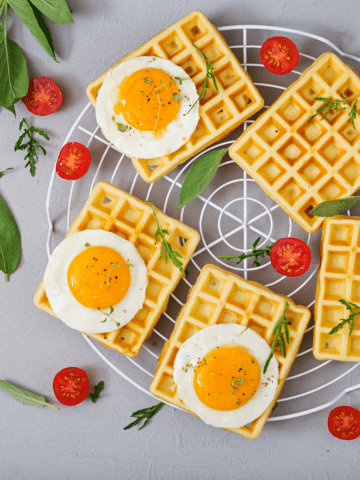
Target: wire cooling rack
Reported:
[(232, 212)]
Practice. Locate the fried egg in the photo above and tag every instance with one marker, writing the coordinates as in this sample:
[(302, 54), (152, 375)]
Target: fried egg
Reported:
[(219, 375), (144, 107), (95, 281)]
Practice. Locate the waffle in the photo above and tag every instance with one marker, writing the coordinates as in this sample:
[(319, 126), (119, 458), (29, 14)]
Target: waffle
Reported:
[(222, 297), (114, 210), (300, 164), (220, 113), (339, 277)]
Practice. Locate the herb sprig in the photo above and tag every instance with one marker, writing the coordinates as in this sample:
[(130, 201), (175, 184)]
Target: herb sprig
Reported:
[(4, 171), (120, 126), (145, 413), (24, 396), (166, 248), (10, 241), (31, 145), (256, 253), (333, 105), (209, 76), (95, 396), (107, 315), (350, 320), (279, 338)]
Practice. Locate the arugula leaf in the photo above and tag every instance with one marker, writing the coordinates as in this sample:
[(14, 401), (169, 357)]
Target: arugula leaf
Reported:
[(10, 241), (256, 253), (98, 388), (279, 337), (23, 396), (34, 21), (4, 171), (31, 145), (57, 10), (14, 79), (335, 207), (145, 413), (200, 175)]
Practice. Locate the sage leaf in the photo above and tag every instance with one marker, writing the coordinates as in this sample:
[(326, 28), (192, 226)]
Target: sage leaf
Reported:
[(34, 21), (335, 207), (57, 10), (14, 78), (200, 175), (10, 241), (23, 396)]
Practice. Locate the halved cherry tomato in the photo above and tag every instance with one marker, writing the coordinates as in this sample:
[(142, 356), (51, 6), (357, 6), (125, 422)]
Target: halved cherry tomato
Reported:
[(44, 96), (344, 423), (73, 162), (290, 257), (279, 55), (71, 386)]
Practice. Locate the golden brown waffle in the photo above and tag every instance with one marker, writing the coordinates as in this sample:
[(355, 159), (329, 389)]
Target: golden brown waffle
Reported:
[(222, 297), (220, 113), (339, 277), (114, 210), (301, 164)]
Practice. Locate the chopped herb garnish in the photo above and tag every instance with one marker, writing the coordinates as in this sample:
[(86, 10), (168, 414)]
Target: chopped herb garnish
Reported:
[(275, 406), (176, 97), (332, 106), (279, 338), (120, 126), (108, 316), (147, 80), (87, 244), (31, 145), (349, 320), (165, 245), (145, 413), (256, 253), (239, 381), (98, 388)]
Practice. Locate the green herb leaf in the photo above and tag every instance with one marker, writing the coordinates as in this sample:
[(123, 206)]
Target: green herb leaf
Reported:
[(349, 306), (335, 207), (147, 80), (14, 79), (166, 248), (87, 244), (57, 10), (353, 113), (239, 381), (121, 127), (176, 97), (34, 21), (3, 172), (23, 396), (145, 413), (275, 406), (200, 175), (31, 145), (10, 241), (98, 388), (279, 339), (256, 253)]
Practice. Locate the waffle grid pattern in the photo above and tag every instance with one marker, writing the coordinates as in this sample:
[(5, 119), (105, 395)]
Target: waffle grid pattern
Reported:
[(221, 297), (114, 210), (220, 113), (339, 277), (301, 164)]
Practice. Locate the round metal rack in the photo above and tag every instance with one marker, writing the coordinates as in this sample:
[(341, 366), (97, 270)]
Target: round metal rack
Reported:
[(241, 222)]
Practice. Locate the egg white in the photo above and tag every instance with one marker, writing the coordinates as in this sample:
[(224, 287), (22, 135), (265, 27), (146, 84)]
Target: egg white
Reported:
[(140, 143), (64, 304), (197, 346)]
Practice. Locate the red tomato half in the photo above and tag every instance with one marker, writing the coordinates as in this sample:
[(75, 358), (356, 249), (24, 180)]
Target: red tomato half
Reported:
[(279, 55), (71, 386), (44, 96), (290, 257), (344, 423), (73, 162)]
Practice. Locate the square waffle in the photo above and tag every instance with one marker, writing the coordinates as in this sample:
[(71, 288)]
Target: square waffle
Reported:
[(114, 210), (222, 297), (220, 113), (339, 277), (301, 164)]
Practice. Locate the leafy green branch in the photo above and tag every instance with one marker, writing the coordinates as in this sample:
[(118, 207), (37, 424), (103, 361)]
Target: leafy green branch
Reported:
[(31, 145), (4, 171), (145, 413), (256, 253), (350, 320), (279, 337), (332, 106)]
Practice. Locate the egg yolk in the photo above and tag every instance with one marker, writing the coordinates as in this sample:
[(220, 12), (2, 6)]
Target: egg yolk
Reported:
[(149, 99), (226, 378), (98, 277)]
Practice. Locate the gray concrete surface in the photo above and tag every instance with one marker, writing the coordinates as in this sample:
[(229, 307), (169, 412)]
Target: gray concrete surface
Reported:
[(88, 441)]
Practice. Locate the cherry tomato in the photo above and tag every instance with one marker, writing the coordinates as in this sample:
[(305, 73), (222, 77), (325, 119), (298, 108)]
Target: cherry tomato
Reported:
[(71, 386), (344, 423), (73, 162), (290, 257), (279, 55), (44, 96)]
